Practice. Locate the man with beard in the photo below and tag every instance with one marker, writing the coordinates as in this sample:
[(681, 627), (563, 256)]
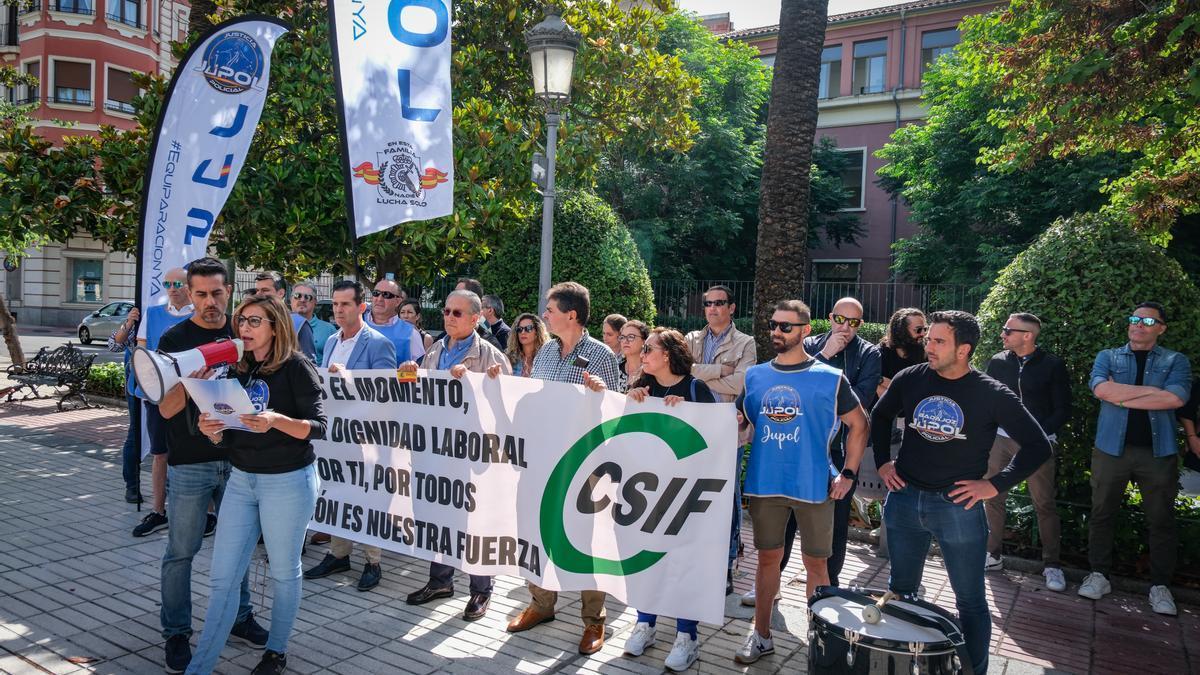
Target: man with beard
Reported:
[(796, 405), (951, 413)]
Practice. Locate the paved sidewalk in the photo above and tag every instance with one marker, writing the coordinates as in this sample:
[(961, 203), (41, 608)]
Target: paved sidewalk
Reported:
[(78, 594)]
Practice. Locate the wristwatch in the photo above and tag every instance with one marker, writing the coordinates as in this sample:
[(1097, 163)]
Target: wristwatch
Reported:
[(848, 474)]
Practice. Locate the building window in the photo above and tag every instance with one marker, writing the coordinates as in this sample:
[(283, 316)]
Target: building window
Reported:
[(836, 271), (72, 82), (128, 12), (854, 177), (30, 93), (8, 28), (831, 73), (935, 43), (72, 6), (870, 66), (86, 279), (121, 91)]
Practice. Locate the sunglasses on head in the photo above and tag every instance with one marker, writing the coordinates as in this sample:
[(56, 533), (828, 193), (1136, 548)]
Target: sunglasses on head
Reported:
[(458, 314), (839, 320), (527, 328), (1146, 321), (715, 303), (254, 321), (173, 284), (1010, 331), (304, 296), (783, 326), (384, 294)]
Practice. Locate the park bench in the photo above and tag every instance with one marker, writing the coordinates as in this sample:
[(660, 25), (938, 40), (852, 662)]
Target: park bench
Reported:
[(64, 369)]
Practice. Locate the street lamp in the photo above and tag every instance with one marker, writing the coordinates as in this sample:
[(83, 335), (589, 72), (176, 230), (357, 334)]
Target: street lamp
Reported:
[(552, 46)]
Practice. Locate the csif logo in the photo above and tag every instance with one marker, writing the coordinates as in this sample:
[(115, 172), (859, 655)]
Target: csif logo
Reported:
[(645, 497)]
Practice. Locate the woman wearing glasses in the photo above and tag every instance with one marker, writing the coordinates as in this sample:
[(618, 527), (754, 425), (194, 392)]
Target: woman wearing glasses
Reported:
[(530, 335), (273, 485), (667, 374), (632, 339)]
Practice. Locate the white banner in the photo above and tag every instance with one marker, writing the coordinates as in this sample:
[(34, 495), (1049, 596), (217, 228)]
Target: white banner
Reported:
[(392, 66), (572, 490), (212, 108)]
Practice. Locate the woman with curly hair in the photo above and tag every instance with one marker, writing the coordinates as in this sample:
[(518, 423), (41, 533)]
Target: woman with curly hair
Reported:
[(530, 335)]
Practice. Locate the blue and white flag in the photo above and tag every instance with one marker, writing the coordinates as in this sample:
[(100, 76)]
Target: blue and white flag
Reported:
[(212, 107), (392, 65)]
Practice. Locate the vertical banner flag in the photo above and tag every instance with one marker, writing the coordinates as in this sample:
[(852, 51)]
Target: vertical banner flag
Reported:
[(392, 65), (212, 108)]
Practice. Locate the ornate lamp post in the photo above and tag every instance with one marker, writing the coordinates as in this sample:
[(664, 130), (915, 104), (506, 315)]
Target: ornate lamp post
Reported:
[(552, 47)]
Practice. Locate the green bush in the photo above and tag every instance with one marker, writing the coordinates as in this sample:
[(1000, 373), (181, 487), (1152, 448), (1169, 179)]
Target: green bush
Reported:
[(106, 379), (1082, 277), (591, 246)]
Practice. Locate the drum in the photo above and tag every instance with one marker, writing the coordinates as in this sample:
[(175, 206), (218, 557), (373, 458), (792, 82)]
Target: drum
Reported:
[(913, 637)]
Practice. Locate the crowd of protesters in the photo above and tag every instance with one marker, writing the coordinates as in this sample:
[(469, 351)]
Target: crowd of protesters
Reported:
[(947, 441)]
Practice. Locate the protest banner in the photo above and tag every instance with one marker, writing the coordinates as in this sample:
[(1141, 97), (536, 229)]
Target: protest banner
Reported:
[(567, 488), (391, 61)]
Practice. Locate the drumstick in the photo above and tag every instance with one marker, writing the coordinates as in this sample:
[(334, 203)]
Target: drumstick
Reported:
[(873, 613)]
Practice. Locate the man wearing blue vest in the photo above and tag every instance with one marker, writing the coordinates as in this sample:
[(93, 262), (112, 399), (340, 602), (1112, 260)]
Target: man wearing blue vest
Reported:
[(796, 405), (384, 316), (155, 321)]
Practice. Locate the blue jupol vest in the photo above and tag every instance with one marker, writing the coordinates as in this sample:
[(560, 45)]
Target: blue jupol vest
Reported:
[(795, 419), (158, 320), (400, 333)]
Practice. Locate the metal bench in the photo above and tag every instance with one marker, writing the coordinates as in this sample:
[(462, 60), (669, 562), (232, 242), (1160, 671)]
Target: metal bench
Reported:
[(65, 369)]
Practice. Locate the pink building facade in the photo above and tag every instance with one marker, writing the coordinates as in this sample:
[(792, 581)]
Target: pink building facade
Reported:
[(871, 85)]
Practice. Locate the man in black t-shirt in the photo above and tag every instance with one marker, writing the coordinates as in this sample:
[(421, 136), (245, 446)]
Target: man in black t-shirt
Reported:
[(197, 470), (951, 413)]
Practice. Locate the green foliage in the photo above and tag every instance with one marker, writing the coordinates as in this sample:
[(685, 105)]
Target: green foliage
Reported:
[(1082, 277), (591, 246), (973, 218), (106, 379), (287, 210)]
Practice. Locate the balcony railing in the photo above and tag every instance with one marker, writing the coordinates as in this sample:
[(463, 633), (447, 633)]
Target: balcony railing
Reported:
[(72, 99), (29, 100), (69, 7), (132, 21), (119, 106)]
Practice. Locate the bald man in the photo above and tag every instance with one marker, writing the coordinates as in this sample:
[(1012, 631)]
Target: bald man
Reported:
[(156, 319)]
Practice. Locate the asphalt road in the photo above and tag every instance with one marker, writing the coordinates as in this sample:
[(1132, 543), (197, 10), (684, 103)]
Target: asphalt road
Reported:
[(34, 338)]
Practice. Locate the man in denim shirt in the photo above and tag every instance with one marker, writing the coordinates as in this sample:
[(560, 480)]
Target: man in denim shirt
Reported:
[(1139, 386)]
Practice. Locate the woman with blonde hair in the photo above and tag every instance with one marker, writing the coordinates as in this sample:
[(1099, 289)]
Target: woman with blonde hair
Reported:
[(273, 486), (530, 334)]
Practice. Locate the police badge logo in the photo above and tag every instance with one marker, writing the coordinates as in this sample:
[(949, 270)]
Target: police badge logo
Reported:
[(260, 395), (233, 62), (938, 419), (400, 171)]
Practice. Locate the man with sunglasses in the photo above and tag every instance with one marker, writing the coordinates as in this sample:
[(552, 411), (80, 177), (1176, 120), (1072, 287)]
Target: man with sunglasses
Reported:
[(157, 319), (384, 316), (304, 305), (795, 405), (1039, 379), (1140, 385), (267, 283), (721, 354)]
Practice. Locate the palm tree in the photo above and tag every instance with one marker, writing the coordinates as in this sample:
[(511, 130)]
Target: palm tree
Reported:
[(781, 257)]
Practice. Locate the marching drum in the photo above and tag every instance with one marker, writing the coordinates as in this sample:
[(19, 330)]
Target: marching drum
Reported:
[(907, 637)]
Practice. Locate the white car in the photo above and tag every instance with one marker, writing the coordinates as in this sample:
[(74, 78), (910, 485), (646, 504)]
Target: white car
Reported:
[(103, 322)]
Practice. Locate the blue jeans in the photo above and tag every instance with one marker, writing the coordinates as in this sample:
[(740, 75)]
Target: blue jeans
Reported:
[(681, 625), (442, 576), (131, 452), (911, 517), (193, 486), (278, 506)]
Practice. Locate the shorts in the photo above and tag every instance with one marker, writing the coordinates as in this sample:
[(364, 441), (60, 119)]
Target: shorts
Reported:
[(156, 427), (814, 524)]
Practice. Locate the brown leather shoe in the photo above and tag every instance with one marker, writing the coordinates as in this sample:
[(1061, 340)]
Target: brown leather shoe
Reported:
[(592, 640), (319, 538), (528, 618)]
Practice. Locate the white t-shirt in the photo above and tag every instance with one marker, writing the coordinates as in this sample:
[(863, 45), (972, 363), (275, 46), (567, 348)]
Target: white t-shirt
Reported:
[(344, 347)]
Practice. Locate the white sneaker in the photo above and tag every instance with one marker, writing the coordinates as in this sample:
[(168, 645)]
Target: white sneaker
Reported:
[(1055, 581), (756, 647), (1095, 586), (683, 653), (992, 563), (641, 638), (1161, 601), (748, 597)]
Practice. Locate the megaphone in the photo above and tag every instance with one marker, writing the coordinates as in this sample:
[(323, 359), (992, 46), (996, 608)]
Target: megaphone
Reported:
[(156, 372)]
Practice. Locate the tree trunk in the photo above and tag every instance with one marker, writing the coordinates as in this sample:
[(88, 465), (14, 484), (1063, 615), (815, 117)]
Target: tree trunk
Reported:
[(9, 326), (783, 210)]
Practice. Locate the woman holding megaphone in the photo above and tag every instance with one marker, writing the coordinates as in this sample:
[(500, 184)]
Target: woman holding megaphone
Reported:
[(273, 486)]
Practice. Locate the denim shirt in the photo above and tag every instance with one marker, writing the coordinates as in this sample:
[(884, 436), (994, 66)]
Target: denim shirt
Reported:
[(1165, 369)]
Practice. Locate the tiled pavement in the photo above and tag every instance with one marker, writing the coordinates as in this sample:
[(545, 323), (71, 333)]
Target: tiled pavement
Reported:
[(78, 594)]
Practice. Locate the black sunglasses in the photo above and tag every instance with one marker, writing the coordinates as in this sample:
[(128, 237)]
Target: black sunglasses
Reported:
[(1146, 321), (527, 328), (458, 313), (921, 329), (386, 294), (715, 303), (1010, 331), (783, 326), (839, 320), (304, 296)]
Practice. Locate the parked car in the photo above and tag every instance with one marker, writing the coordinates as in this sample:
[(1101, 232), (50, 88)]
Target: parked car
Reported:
[(103, 322)]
